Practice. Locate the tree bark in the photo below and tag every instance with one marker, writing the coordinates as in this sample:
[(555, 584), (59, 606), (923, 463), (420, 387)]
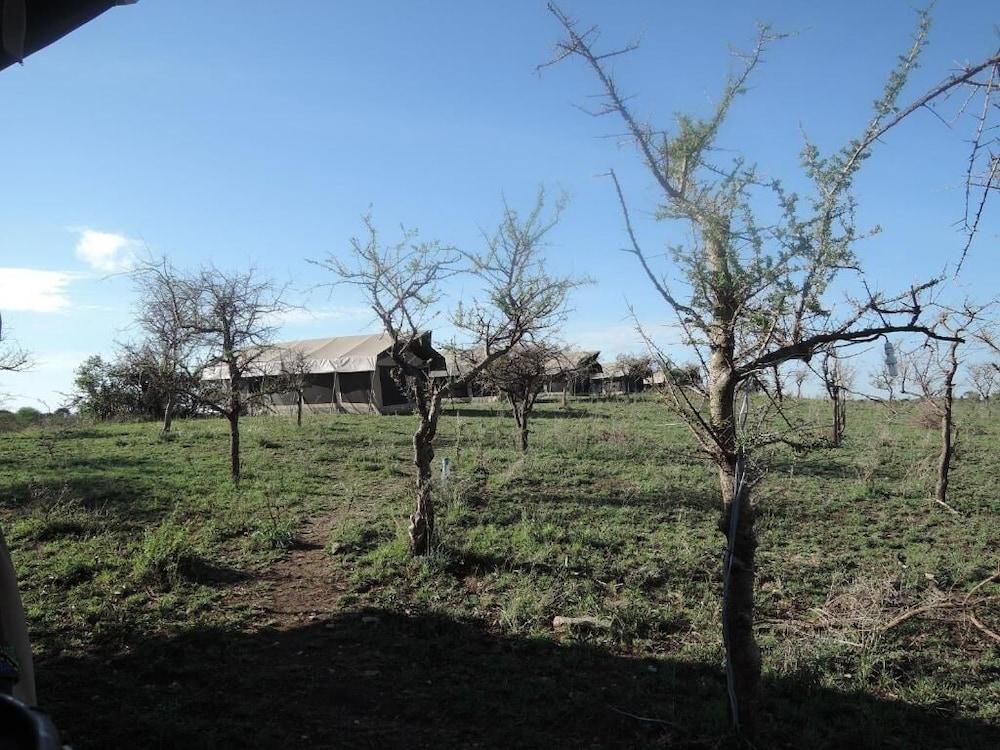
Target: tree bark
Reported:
[(743, 664), (422, 519), (234, 445), (298, 414), (839, 416), (944, 460), (742, 651), (947, 425), (521, 419), (168, 413)]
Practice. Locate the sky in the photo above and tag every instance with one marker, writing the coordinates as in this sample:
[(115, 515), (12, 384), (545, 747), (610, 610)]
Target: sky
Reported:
[(242, 132)]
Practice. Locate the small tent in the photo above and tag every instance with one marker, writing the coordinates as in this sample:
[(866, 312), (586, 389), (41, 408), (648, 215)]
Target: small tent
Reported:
[(342, 373), (573, 371)]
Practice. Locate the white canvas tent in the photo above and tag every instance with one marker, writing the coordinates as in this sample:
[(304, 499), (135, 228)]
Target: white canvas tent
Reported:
[(343, 373), (567, 368)]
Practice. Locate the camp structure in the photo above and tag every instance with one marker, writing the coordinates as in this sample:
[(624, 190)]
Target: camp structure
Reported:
[(341, 373), (613, 380), (571, 372), (567, 370)]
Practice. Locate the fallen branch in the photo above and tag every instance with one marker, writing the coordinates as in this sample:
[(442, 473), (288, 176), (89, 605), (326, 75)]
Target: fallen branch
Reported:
[(565, 623), (643, 718), (975, 621), (974, 589), (910, 613), (947, 507)]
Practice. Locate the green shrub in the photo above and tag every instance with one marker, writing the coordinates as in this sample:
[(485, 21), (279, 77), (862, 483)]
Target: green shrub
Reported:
[(352, 535), (165, 554), (274, 533)]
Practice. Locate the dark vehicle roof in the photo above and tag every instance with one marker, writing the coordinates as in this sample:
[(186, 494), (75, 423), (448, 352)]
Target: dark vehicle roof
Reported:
[(42, 23)]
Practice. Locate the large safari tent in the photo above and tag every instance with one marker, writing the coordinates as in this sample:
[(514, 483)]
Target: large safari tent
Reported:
[(341, 373)]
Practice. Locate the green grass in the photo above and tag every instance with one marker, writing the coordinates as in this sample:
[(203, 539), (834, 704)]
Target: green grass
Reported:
[(132, 551)]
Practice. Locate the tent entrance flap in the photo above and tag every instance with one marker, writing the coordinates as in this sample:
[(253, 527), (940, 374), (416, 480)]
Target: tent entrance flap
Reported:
[(391, 394)]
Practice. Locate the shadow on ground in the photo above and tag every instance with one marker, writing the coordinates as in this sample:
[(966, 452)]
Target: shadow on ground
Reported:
[(386, 680)]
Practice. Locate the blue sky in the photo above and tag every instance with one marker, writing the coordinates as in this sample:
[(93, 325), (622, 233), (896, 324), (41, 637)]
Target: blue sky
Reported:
[(244, 131)]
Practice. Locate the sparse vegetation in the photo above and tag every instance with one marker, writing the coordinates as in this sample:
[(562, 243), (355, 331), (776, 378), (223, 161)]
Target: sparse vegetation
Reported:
[(133, 550)]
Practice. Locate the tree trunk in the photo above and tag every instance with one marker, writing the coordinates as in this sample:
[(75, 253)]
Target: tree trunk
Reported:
[(168, 413), (298, 414), (234, 446), (422, 518), (944, 461), (743, 663), (521, 419), (839, 414), (742, 652), (947, 447), (427, 399)]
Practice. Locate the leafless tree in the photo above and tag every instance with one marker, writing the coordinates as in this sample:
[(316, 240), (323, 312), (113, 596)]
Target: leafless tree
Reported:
[(295, 369), (983, 377), (635, 368), (929, 373), (520, 376), (838, 379), (883, 379), (12, 358), (757, 288), (799, 376), (402, 283), (229, 316), (165, 301)]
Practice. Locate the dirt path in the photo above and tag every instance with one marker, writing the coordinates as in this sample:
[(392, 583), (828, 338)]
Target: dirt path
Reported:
[(301, 588)]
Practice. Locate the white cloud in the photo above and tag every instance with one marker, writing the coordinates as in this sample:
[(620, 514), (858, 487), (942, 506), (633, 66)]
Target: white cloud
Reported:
[(297, 315), (33, 290), (106, 251)]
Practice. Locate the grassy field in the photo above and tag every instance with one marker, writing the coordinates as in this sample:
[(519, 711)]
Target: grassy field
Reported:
[(169, 609)]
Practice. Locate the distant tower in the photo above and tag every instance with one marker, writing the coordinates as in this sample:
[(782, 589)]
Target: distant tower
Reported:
[(890, 360)]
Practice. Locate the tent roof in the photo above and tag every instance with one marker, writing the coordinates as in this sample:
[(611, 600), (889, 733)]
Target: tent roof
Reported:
[(44, 22), (335, 353), (362, 353), (610, 371), (459, 361)]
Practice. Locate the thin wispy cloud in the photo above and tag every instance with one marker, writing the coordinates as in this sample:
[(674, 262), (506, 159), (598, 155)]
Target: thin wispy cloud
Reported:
[(298, 315), (34, 290), (108, 252)]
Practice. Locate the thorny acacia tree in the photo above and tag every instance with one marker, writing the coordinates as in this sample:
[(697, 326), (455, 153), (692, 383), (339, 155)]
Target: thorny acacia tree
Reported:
[(756, 288), (983, 376), (883, 379), (231, 320), (929, 372), (799, 376), (838, 379), (294, 369), (402, 283), (164, 314), (521, 376), (209, 320), (635, 368), (12, 358)]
